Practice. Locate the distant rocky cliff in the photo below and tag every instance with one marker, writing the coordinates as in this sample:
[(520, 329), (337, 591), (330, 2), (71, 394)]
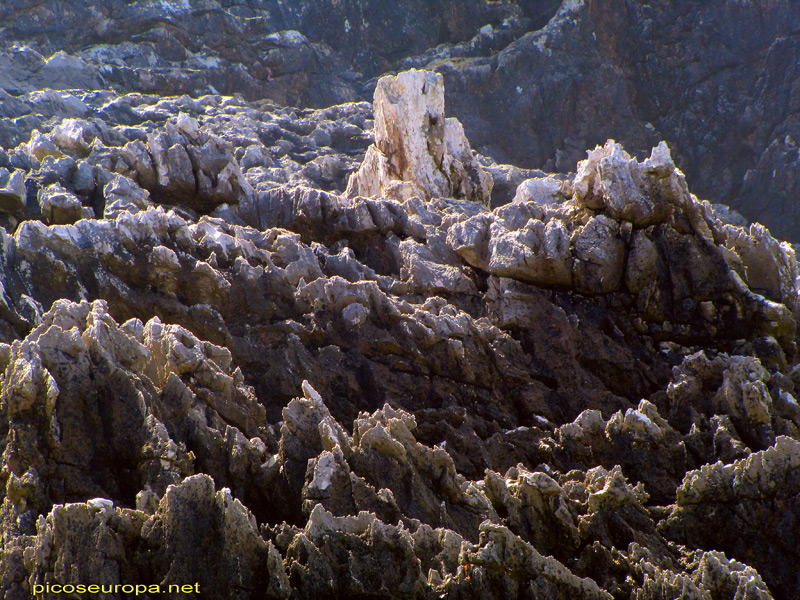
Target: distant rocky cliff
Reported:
[(334, 352)]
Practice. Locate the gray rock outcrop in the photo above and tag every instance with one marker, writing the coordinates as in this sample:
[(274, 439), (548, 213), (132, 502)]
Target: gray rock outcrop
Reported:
[(417, 151), (534, 82)]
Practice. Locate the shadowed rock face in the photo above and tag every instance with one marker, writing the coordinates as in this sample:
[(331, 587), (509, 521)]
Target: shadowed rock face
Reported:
[(713, 79), (300, 53), (300, 353)]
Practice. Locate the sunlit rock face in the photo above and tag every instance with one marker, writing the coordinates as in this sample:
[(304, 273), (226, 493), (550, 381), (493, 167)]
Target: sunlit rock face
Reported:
[(417, 151), (534, 82)]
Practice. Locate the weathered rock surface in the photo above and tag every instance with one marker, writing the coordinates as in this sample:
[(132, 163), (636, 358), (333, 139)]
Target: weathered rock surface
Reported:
[(534, 82), (640, 73), (417, 151), (721, 500), (292, 353)]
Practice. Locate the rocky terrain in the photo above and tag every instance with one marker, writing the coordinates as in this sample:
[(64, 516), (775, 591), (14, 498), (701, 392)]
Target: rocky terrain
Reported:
[(534, 82), (334, 352)]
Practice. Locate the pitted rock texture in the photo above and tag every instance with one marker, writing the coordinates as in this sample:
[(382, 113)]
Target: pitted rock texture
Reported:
[(714, 80), (222, 364)]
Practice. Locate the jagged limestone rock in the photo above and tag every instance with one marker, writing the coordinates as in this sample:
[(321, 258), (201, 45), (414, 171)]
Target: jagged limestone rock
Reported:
[(541, 190), (417, 151), (12, 191), (58, 206), (718, 502), (528, 386)]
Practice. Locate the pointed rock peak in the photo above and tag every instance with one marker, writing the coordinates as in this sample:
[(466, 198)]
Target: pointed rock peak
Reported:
[(417, 151)]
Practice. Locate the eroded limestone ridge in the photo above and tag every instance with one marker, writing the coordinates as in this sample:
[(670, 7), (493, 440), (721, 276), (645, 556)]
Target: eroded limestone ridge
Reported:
[(417, 150), (586, 393)]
